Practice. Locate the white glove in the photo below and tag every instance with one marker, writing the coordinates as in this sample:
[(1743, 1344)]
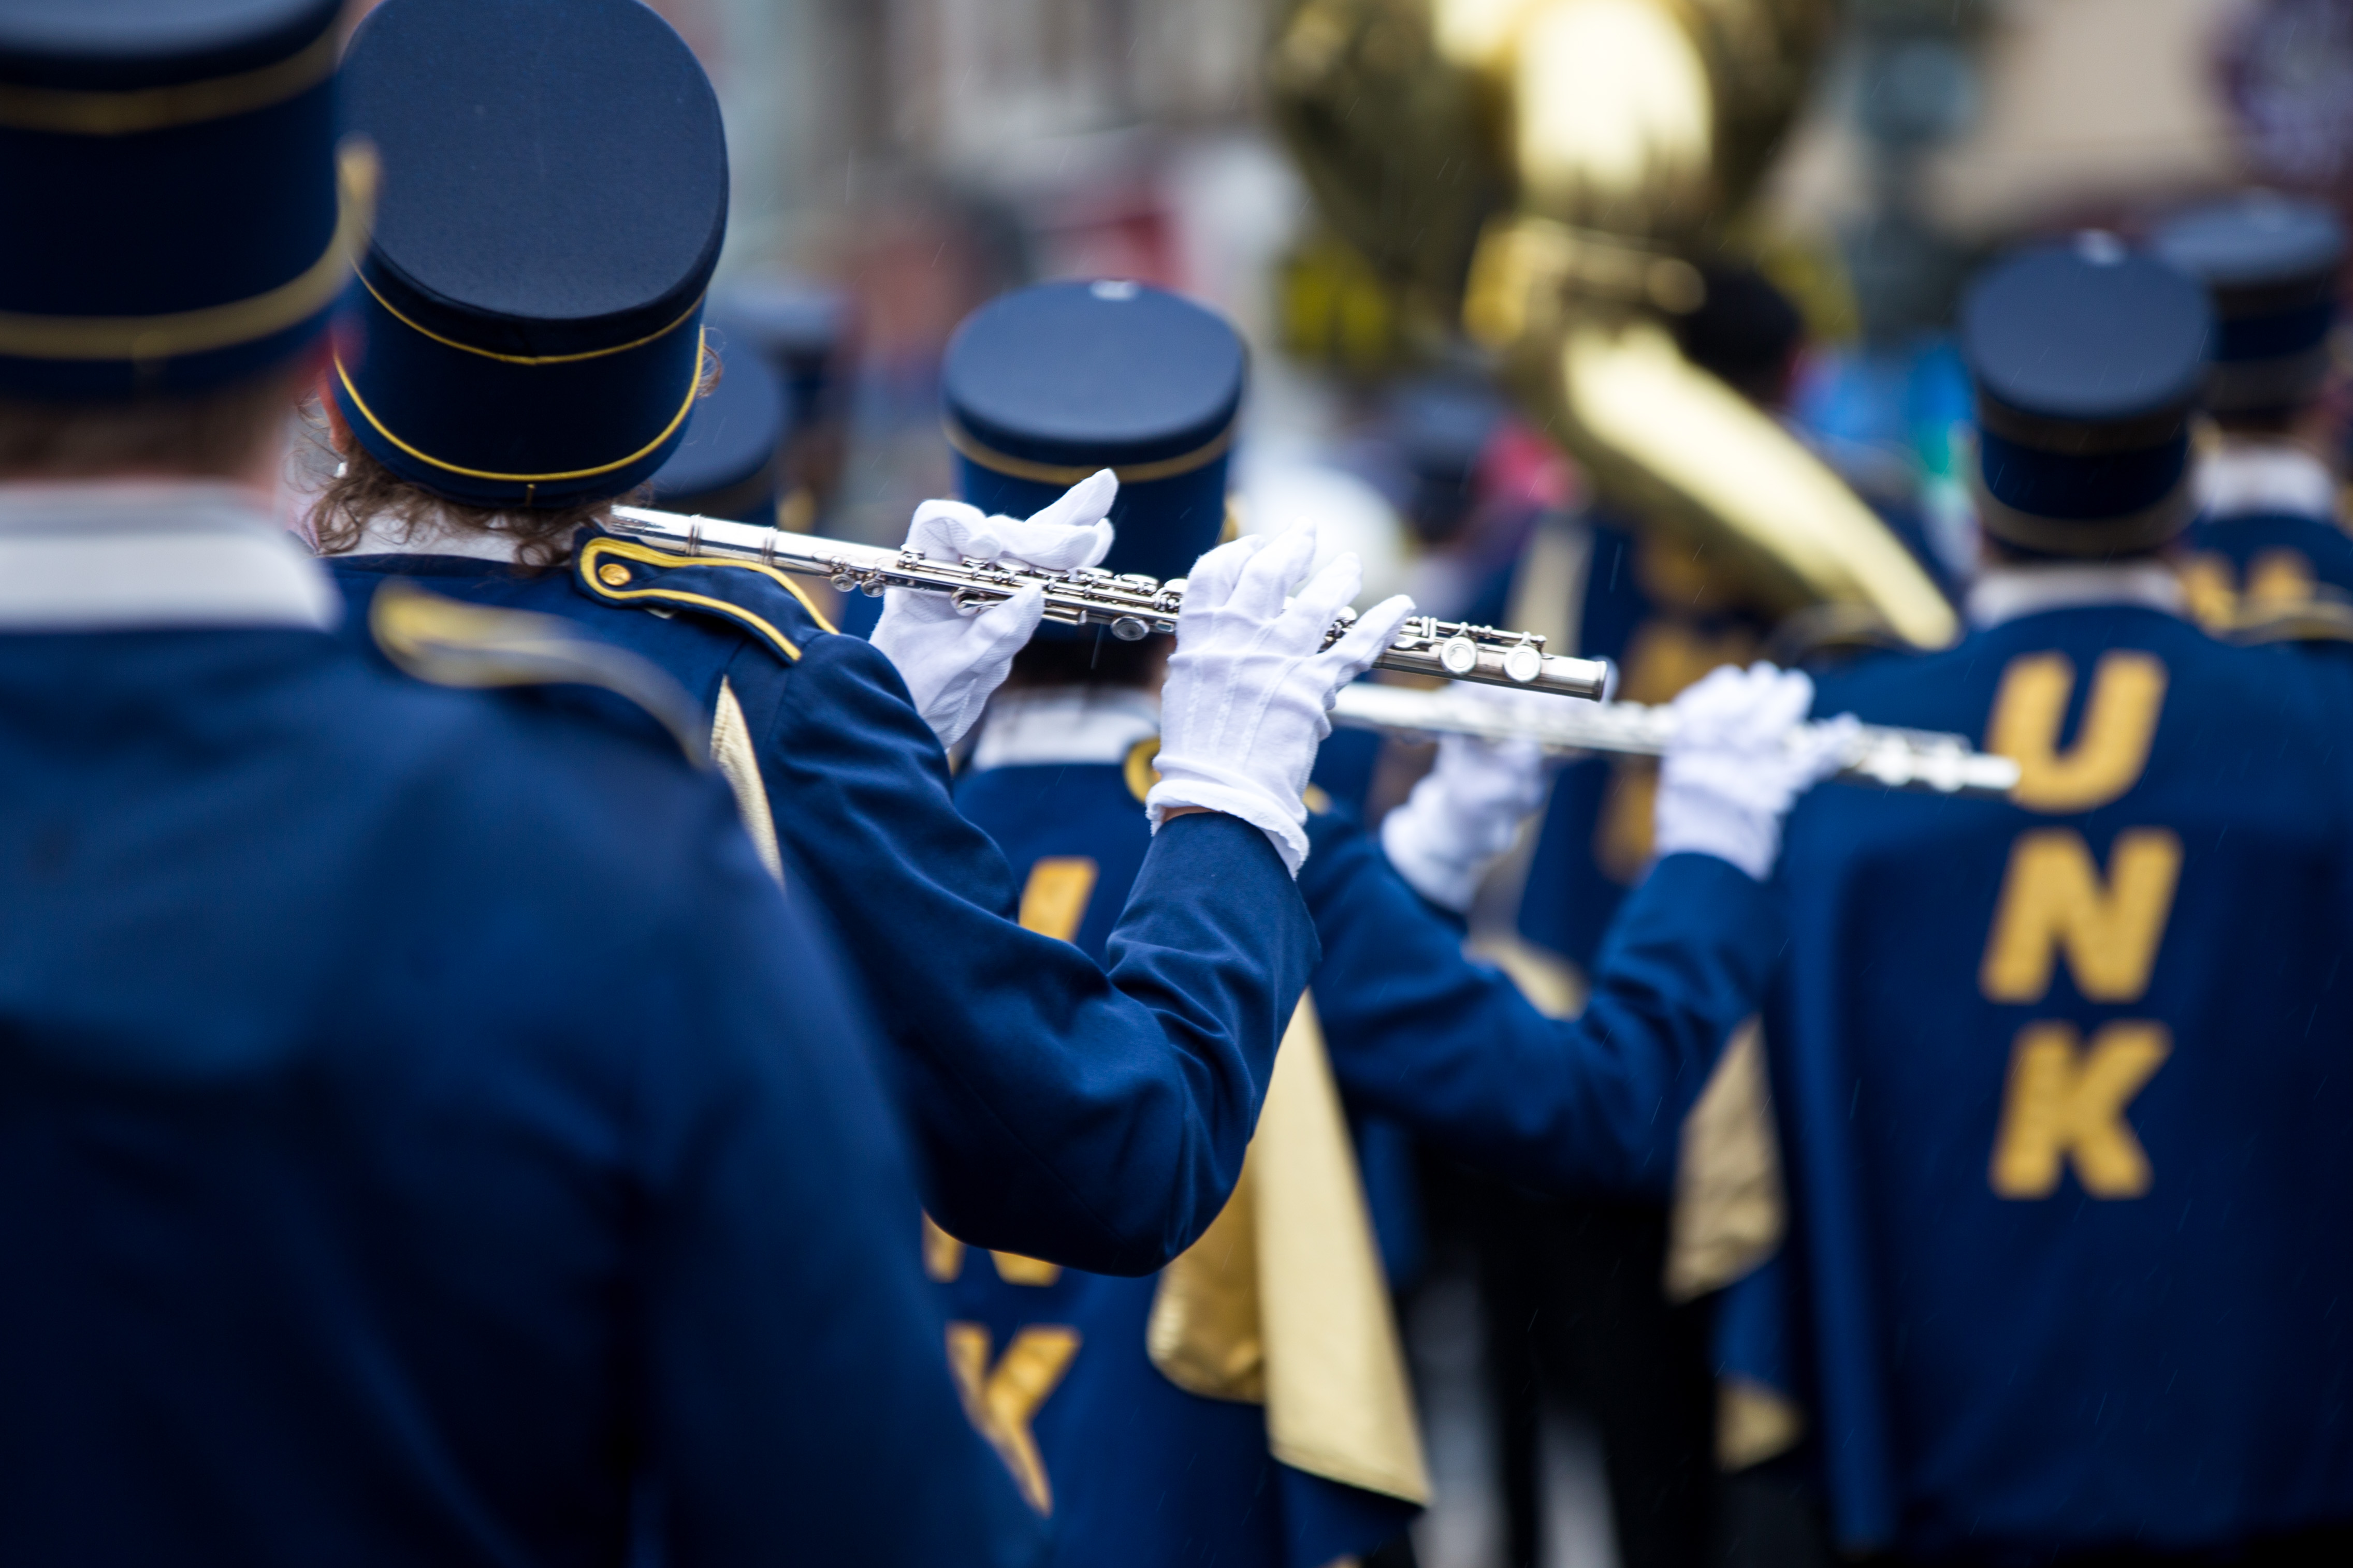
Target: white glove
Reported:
[(1468, 809), (952, 662), (1250, 688), (1742, 756)]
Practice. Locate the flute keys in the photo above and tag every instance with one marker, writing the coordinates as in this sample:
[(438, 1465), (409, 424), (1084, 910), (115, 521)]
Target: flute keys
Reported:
[(1458, 655), (1522, 664), (1130, 629)]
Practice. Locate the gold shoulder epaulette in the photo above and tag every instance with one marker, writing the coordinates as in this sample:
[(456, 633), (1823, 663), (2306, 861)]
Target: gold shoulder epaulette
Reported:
[(759, 599), (2315, 619), (448, 643), (1138, 770)]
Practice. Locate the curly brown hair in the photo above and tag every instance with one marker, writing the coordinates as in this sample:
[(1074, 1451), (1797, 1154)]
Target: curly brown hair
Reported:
[(365, 491)]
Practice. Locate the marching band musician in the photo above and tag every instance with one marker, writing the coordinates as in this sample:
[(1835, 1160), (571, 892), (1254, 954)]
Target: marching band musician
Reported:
[(2267, 534), (1569, 1284), (422, 1115), (2063, 1077), (524, 348), (1140, 1455)]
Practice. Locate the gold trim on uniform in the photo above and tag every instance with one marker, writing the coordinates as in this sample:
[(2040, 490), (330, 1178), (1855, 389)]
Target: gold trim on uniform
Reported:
[(2081, 537), (447, 642), (967, 445), (693, 391), (1137, 770), (737, 758), (69, 111), (424, 331), (592, 567), (143, 339)]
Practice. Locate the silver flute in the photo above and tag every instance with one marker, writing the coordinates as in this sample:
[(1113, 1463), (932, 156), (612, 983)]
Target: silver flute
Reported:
[(1892, 758), (1132, 606)]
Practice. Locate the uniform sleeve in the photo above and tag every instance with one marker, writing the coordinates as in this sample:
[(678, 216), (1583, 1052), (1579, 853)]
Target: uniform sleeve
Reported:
[(1450, 1048), (1095, 1118), (799, 1402)]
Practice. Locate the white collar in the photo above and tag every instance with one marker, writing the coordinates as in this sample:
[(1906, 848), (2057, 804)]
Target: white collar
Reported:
[(147, 555), (2008, 593), (433, 534), (1049, 725), (2241, 478)]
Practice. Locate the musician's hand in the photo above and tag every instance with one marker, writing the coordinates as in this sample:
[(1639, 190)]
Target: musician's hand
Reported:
[(1250, 688), (1468, 809), (952, 662), (1072, 533), (1742, 755)]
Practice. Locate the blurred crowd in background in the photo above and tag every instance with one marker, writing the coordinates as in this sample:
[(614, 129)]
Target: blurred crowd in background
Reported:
[(898, 162)]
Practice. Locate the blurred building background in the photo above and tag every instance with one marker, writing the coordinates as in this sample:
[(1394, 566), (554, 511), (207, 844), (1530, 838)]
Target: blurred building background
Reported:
[(905, 159), (920, 155), (898, 162)]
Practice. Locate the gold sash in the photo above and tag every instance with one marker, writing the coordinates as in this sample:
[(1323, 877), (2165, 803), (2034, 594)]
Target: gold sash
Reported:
[(1282, 1301)]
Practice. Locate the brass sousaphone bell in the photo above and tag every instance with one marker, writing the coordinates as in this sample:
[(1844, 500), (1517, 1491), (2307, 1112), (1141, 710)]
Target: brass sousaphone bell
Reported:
[(1544, 169)]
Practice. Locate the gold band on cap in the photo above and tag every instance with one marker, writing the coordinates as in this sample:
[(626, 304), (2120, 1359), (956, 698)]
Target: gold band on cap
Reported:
[(531, 358), (144, 339), (70, 113), (2126, 533), (969, 446), (2075, 439), (693, 391)]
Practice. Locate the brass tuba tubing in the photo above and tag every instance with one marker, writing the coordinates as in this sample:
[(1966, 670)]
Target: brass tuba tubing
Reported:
[(1132, 606)]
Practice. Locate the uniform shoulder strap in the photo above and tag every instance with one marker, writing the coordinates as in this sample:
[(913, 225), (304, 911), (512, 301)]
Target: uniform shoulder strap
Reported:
[(755, 598), (448, 643), (2316, 619)]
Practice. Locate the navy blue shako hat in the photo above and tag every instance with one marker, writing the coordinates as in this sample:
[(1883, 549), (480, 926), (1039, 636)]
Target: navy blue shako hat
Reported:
[(527, 331), (2271, 263), (169, 171), (2089, 360), (1047, 384), (803, 329), (1441, 427), (726, 467)]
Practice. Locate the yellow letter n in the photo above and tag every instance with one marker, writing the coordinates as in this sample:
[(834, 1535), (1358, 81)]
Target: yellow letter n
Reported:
[(2062, 1104), (2052, 898), (1001, 1400)]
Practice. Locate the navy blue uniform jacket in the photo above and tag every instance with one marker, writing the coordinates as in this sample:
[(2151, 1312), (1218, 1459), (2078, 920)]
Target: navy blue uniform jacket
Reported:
[(419, 1116), (2065, 1084), (2255, 559), (1139, 1470), (1448, 1047), (1665, 612), (1062, 1110)]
